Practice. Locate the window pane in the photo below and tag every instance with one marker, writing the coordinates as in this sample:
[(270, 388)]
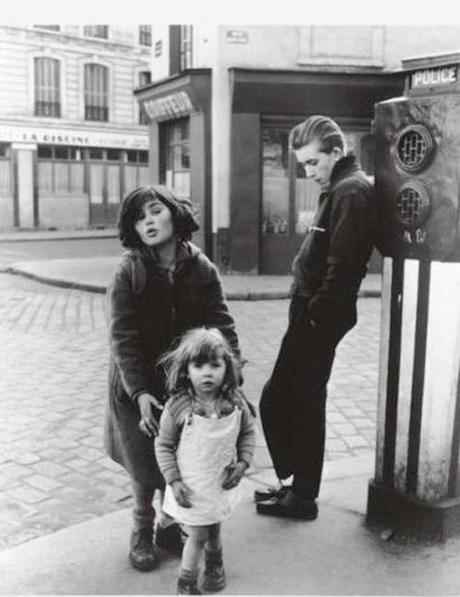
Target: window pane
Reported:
[(275, 204), (130, 178), (144, 175), (96, 92), (143, 157), (95, 154), (113, 154), (101, 31), (76, 178), (145, 35), (61, 153), (45, 151), (47, 87), (45, 178), (113, 183), (61, 178)]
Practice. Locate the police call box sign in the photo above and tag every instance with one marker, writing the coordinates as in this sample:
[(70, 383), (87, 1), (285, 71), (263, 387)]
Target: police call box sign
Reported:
[(432, 77)]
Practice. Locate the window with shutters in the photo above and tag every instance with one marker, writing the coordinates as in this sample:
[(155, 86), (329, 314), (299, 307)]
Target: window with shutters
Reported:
[(99, 31), (96, 92), (47, 87), (145, 35)]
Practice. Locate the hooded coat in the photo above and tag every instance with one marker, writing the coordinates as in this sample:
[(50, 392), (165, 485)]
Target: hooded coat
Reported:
[(147, 308)]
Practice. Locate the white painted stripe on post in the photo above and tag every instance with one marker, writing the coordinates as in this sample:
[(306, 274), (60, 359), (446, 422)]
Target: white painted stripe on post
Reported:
[(385, 315), (406, 369), (441, 377)]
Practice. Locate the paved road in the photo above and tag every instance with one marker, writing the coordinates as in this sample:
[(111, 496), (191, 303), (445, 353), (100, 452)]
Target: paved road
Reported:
[(53, 361), (12, 252)]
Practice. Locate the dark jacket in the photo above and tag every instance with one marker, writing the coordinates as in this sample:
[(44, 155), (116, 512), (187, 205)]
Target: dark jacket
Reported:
[(147, 310), (332, 259)]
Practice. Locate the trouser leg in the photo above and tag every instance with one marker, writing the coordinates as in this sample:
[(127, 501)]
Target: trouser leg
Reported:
[(143, 511)]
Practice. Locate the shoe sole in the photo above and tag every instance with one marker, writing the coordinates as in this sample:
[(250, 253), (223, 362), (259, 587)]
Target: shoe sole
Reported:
[(213, 587), (271, 511), (147, 567)]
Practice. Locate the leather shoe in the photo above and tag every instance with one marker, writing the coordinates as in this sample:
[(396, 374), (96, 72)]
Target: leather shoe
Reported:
[(289, 505), (142, 554), (270, 492)]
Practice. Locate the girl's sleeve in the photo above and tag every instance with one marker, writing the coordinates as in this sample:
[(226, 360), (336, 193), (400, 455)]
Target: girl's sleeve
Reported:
[(247, 437), (218, 314), (124, 334), (165, 446)]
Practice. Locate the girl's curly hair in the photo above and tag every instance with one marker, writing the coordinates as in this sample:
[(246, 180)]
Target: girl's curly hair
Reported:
[(131, 210), (200, 345)]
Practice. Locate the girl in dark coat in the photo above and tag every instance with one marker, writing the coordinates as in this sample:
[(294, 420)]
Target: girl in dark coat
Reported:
[(163, 286)]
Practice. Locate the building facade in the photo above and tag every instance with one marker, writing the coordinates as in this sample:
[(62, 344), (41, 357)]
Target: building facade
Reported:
[(222, 101), (73, 140)]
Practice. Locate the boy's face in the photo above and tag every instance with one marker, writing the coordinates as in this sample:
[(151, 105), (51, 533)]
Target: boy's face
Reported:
[(318, 164), (155, 227)]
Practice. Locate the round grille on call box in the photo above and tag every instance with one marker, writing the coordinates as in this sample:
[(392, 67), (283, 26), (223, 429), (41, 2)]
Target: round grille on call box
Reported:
[(413, 205), (414, 148)]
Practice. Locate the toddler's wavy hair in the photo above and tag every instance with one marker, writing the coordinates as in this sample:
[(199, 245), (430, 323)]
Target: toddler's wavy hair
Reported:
[(200, 345)]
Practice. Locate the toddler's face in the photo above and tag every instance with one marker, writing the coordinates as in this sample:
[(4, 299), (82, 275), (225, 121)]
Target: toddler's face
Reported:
[(207, 377), (155, 227)]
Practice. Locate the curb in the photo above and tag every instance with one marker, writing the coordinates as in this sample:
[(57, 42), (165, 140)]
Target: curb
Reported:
[(231, 296), (46, 236)]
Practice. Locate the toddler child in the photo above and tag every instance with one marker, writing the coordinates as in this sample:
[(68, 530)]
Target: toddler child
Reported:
[(204, 445)]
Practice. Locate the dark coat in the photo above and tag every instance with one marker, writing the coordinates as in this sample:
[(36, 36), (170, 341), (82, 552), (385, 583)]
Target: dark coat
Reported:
[(332, 259), (327, 270), (146, 311)]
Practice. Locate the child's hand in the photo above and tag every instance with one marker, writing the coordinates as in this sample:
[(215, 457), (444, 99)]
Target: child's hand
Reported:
[(233, 474), (182, 493)]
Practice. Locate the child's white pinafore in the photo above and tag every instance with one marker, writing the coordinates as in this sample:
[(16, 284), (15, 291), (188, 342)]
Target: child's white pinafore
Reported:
[(205, 448)]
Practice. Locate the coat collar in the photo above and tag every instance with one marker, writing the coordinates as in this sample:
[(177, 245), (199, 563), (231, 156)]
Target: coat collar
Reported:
[(343, 167)]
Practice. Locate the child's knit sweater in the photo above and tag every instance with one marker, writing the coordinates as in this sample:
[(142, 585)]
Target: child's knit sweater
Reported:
[(175, 415)]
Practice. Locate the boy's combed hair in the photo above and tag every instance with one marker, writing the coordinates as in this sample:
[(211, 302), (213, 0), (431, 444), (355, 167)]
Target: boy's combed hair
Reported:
[(131, 210), (199, 346), (318, 128)]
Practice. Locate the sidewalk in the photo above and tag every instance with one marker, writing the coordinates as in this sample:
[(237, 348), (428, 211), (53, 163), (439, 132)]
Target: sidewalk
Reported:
[(334, 555), (93, 274)]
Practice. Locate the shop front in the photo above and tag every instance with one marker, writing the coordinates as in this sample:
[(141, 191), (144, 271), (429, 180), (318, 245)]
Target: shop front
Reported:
[(269, 193), (178, 110), (65, 179)]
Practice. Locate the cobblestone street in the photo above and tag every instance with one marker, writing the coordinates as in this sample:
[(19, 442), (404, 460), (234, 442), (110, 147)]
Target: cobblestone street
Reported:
[(53, 354)]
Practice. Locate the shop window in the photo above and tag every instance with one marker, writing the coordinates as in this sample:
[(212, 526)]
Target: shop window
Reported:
[(138, 157), (145, 35), (275, 204), (47, 87), (96, 92), (113, 155), (60, 170), (175, 154), (95, 153), (99, 31)]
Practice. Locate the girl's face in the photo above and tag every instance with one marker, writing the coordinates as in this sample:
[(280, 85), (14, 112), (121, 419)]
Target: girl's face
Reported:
[(207, 377), (155, 227)]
